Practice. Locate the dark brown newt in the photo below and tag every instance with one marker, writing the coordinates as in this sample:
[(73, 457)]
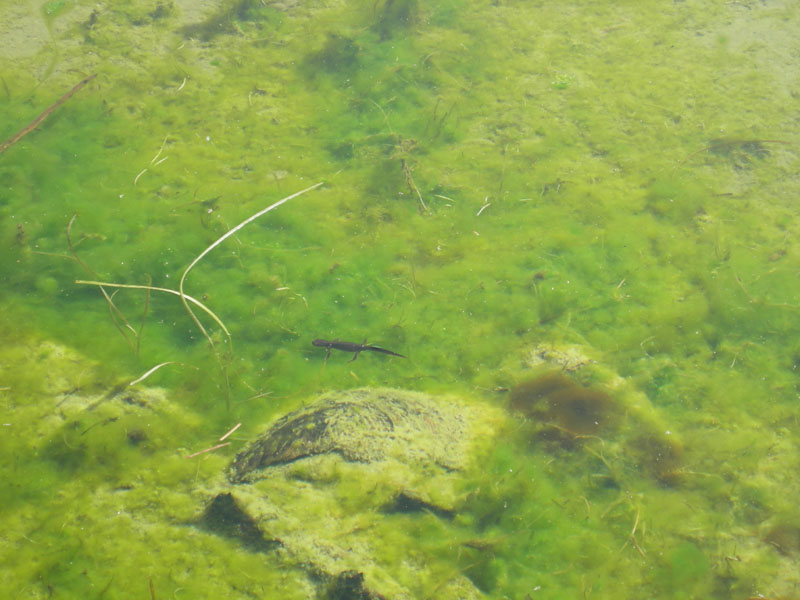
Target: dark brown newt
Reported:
[(351, 347)]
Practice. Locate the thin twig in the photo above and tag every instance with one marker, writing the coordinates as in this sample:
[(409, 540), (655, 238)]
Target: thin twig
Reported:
[(153, 370), (113, 311), (72, 248), (218, 446), (37, 121), (410, 183), (111, 306), (234, 428)]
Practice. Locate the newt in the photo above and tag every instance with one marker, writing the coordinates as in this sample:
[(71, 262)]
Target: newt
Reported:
[(351, 347)]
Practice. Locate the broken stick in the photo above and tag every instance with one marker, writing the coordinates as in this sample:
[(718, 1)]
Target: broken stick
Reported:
[(35, 123)]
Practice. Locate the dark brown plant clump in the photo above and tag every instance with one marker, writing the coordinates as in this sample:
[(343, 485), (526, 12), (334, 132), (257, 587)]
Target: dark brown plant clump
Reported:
[(570, 409), (785, 537), (563, 412), (660, 457)]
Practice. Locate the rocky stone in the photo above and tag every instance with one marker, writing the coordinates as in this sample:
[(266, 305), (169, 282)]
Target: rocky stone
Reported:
[(330, 486)]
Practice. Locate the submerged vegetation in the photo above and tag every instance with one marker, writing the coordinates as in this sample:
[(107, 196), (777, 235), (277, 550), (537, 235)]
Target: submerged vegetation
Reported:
[(555, 211)]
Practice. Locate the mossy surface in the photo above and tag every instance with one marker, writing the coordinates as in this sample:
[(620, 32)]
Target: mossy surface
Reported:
[(510, 188)]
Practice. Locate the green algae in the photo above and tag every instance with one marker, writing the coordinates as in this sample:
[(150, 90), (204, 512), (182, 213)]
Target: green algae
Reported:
[(614, 221)]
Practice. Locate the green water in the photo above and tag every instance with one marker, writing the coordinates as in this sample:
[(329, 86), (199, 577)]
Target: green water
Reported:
[(498, 176)]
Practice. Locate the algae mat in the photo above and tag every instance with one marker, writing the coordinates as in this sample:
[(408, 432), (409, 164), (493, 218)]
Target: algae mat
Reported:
[(581, 216)]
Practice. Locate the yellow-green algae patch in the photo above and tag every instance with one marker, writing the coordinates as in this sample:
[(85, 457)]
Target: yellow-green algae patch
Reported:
[(618, 182), (95, 464)]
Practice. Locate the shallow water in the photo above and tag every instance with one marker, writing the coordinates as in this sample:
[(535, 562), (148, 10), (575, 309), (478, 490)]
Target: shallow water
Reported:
[(501, 181)]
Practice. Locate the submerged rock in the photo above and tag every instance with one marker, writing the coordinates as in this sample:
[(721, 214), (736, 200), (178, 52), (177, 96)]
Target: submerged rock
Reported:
[(361, 426), (339, 486)]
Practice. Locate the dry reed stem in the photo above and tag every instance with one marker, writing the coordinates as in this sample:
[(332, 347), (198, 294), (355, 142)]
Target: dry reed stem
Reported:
[(131, 286), (209, 449), (224, 237), (234, 428), (185, 299), (153, 370)]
